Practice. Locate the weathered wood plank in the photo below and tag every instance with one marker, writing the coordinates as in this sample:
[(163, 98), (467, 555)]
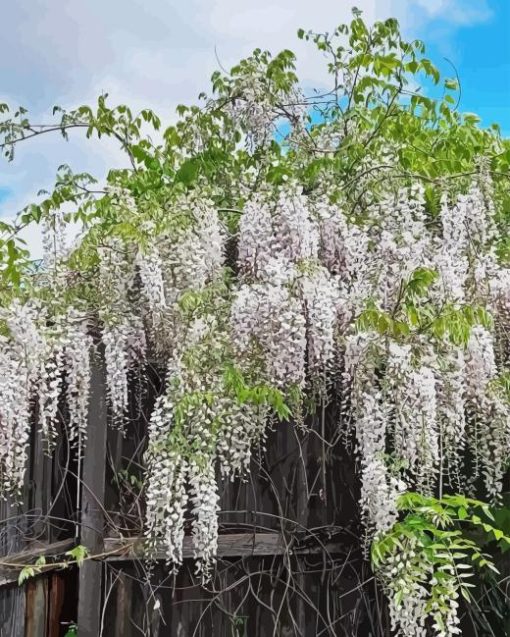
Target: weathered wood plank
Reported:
[(11, 564), (235, 544), (34, 551), (12, 539), (12, 612), (36, 608), (39, 492), (231, 545), (122, 626), (122, 549), (92, 506), (56, 601)]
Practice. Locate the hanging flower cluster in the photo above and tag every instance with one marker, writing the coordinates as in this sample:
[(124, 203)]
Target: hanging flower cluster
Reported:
[(286, 308), (403, 311), (407, 316), (272, 254), (42, 362), (257, 108)]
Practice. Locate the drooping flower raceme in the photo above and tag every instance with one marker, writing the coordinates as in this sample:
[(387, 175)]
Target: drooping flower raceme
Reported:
[(408, 315)]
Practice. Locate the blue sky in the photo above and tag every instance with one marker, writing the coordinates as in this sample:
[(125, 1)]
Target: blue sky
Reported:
[(159, 53), (480, 52), (5, 192)]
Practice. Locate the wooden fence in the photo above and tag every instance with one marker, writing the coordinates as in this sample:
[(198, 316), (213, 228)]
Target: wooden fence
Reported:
[(290, 558)]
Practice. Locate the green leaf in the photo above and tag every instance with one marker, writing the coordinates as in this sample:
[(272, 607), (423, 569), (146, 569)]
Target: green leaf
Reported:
[(26, 573), (78, 554), (451, 84), (72, 631), (462, 513), (471, 118)]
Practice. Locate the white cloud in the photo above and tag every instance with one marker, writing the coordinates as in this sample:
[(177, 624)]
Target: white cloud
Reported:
[(156, 53), (460, 12)]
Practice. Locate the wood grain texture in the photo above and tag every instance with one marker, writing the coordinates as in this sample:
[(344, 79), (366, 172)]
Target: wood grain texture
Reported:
[(229, 545), (92, 506)]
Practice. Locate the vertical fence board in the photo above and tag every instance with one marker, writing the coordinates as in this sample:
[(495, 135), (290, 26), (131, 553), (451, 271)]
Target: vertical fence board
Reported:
[(12, 612), (40, 469), (12, 539), (56, 601), (123, 627), (37, 607), (92, 518)]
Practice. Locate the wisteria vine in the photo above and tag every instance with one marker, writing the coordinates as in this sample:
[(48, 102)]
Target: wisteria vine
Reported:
[(265, 294)]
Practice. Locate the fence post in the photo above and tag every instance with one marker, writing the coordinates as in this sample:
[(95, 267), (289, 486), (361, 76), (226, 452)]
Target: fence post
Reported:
[(92, 505)]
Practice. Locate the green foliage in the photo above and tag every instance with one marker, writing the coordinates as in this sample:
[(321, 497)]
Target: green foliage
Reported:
[(29, 571), (437, 544), (132, 479), (78, 554), (376, 108), (72, 631), (257, 394), (239, 626), (412, 315), (419, 282)]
